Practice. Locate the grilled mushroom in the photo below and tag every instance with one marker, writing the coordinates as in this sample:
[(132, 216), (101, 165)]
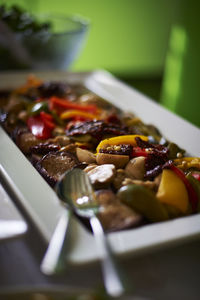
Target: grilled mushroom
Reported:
[(53, 165), (101, 176), (113, 214), (85, 156), (136, 168), (118, 160)]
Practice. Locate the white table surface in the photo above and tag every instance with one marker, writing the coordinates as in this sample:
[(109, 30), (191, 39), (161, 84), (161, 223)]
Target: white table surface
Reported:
[(171, 273)]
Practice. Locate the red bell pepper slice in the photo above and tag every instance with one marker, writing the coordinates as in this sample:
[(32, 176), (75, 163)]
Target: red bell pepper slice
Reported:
[(46, 116), (137, 151), (79, 118), (196, 175), (60, 105), (40, 128), (193, 198), (47, 119)]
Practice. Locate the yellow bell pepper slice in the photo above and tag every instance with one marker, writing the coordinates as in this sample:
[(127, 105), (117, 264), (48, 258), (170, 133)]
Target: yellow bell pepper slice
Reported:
[(121, 140), (68, 114), (172, 191), (187, 163)]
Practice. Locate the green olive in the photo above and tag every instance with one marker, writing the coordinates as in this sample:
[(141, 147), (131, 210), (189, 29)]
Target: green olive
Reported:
[(174, 149), (196, 186), (36, 108), (143, 201)]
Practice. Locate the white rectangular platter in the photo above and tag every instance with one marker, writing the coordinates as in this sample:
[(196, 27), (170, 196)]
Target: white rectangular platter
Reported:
[(12, 223), (42, 204)]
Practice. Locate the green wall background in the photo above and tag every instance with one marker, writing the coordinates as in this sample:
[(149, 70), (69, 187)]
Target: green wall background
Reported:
[(131, 39), (126, 37)]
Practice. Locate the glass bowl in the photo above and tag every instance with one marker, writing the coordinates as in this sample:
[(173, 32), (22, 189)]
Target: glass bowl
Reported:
[(48, 50)]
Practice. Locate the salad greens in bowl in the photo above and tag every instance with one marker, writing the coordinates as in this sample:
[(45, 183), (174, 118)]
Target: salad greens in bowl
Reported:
[(39, 42)]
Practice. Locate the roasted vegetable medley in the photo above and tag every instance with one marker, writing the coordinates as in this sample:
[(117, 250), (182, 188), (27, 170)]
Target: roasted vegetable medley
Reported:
[(139, 177)]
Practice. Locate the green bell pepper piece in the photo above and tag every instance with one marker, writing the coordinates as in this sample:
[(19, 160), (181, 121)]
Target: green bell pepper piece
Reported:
[(36, 108), (143, 201)]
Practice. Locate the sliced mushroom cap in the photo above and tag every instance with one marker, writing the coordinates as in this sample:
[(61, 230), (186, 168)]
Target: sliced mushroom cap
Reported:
[(90, 167), (85, 156), (118, 160), (23, 115), (113, 214), (135, 169), (119, 178), (25, 141), (102, 175)]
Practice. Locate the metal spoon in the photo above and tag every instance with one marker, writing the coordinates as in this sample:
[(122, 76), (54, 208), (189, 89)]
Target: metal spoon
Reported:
[(76, 190), (54, 260)]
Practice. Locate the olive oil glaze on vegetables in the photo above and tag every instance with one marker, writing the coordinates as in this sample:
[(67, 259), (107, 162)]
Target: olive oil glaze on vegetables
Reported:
[(139, 177)]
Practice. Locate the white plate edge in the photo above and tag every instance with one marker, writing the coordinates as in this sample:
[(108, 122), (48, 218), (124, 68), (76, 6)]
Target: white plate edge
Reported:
[(76, 257)]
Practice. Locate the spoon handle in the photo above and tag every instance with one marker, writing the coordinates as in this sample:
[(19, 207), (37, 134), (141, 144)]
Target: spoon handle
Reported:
[(112, 281), (54, 261)]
